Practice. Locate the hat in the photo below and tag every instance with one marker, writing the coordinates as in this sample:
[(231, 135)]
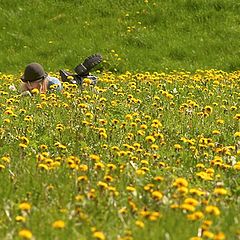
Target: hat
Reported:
[(33, 72)]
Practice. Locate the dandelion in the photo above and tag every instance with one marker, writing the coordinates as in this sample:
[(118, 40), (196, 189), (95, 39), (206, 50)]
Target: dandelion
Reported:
[(208, 109), (220, 191), (177, 147), (59, 224), (20, 219), (157, 195), (187, 207), (208, 234), (25, 233), (94, 157), (191, 201), (237, 117), (139, 224), (212, 210), (25, 206), (99, 235), (131, 189), (2, 167), (237, 134), (150, 139), (196, 216), (180, 182), (35, 91)]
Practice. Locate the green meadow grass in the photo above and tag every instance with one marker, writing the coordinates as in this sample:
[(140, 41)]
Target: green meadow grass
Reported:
[(145, 35)]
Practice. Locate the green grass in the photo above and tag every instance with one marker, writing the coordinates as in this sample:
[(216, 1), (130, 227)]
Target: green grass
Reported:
[(181, 34)]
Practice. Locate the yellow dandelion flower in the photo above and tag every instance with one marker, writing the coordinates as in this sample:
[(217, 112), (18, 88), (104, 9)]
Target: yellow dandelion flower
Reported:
[(237, 134), (131, 189), (237, 117), (2, 167), (139, 224), (191, 201), (20, 219), (212, 210), (208, 109), (157, 195), (22, 145), (187, 207), (35, 91), (220, 191), (219, 236), (216, 132), (208, 234), (180, 182), (25, 206), (177, 147), (150, 139), (59, 224), (99, 235), (94, 157), (25, 233), (82, 178)]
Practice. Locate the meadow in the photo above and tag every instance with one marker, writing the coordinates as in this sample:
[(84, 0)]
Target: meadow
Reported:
[(139, 156), (152, 151)]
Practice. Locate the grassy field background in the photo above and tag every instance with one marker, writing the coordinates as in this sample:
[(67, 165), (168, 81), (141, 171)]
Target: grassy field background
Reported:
[(131, 35)]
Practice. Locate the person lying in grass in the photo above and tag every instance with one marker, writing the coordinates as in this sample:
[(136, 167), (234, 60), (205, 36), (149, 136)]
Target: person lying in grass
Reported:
[(35, 77)]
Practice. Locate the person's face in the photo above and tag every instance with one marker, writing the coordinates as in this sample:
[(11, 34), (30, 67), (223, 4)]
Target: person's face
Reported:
[(36, 84)]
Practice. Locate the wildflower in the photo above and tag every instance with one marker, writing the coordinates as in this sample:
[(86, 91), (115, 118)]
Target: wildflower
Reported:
[(99, 235), (195, 238), (35, 91), (20, 219), (43, 166), (177, 147), (237, 134), (25, 206), (157, 195), (102, 185), (82, 178), (195, 216), (139, 224), (94, 157), (180, 182), (187, 207), (216, 132), (212, 210), (99, 166), (208, 109), (25, 233), (150, 139), (22, 145), (159, 178), (131, 189), (237, 117), (220, 191), (2, 167), (191, 201), (219, 236), (83, 167), (208, 234), (220, 121), (59, 224)]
